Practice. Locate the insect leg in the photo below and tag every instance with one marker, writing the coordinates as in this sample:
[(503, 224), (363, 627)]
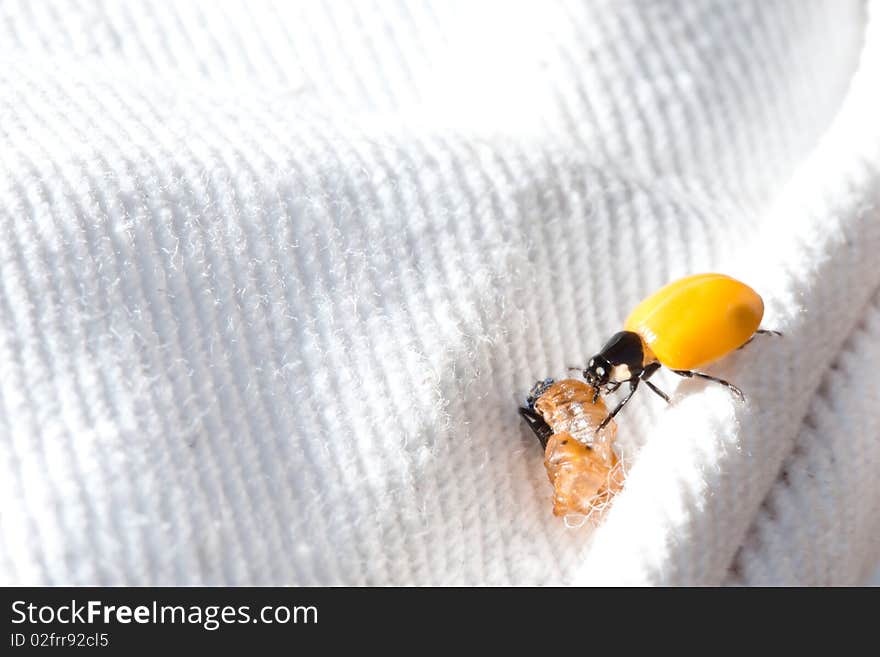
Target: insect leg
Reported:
[(646, 374), (658, 391), (757, 333), (612, 387), (537, 424), (727, 384), (633, 385)]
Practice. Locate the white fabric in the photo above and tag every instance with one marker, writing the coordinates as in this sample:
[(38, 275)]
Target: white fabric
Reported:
[(275, 276)]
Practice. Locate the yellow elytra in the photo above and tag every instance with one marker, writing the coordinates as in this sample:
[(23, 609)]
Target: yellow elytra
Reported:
[(696, 320), (687, 324)]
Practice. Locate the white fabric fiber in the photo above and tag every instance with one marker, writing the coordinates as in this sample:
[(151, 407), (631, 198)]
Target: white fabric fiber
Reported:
[(275, 276)]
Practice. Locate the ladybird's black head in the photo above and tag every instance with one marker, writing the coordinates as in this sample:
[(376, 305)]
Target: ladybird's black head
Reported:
[(598, 371), (537, 390)]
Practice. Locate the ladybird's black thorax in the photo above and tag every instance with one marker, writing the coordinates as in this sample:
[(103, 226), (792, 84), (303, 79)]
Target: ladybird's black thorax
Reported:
[(624, 349)]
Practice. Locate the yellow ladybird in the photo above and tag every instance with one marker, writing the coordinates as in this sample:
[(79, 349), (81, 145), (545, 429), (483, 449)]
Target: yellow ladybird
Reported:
[(687, 324)]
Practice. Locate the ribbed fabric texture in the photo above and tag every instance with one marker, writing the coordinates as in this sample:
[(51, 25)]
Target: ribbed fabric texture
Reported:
[(274, 277)]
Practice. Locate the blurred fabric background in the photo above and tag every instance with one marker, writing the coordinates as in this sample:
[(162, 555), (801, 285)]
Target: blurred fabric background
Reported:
[(275, 277)]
